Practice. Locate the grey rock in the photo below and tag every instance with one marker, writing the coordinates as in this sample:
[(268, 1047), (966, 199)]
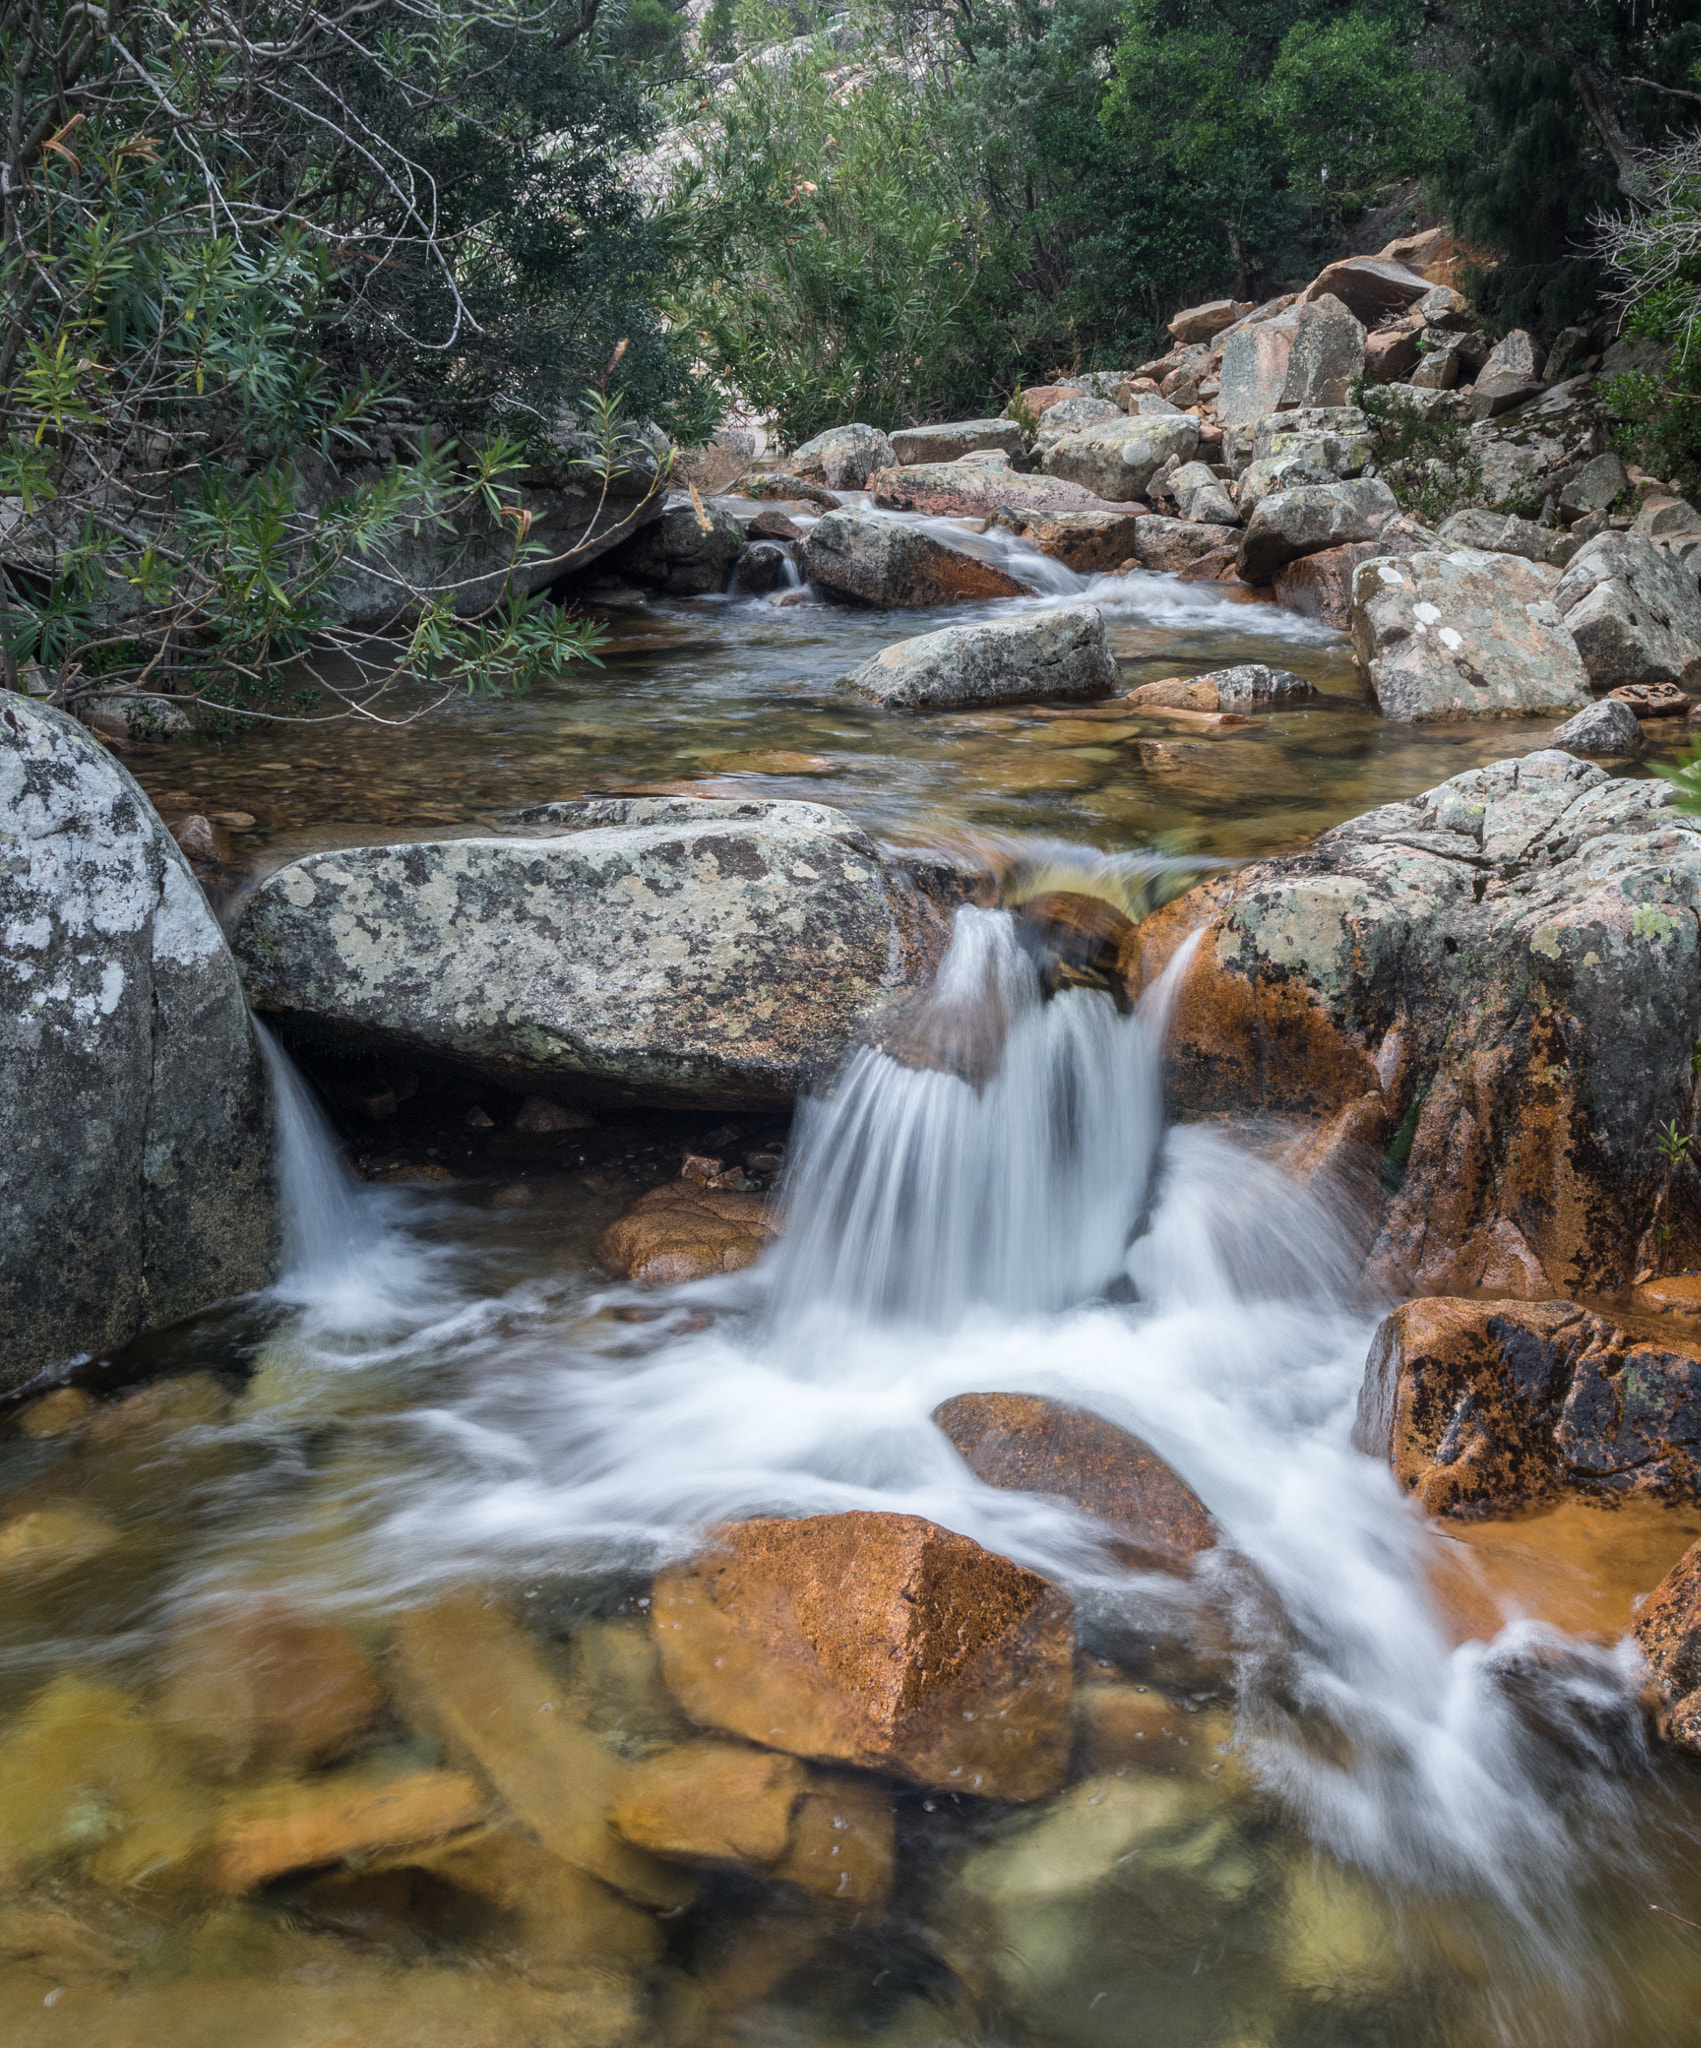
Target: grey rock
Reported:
[(1369, 288), (1515, 355), (1046, 654), (1212, 506), (1667, 520), (1463, 634), (1445, 308), (1288, 472), (1332, 438), (762, 566), (1070, 414), (1439, 368), (138, 716), (1635, 354), (1166, 545), (1500, 533), (860, 558), (947, 443), (1326, 357), (1297, 522), (678, 553), (1116, 459), (843, 458), (649, 950), (135, 1126), (1252, 686), (1634, 613), (1595, 485), (1608, 727), (1568, 355), (1255, 369), (1501, 392)]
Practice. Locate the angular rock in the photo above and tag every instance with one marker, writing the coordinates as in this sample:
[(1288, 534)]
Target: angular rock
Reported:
[(968, 490), (843, 458), (1042, 397), (1166, 545), (1334, 438), (772, 524), (1255, 370), (1090, 543), (1595, 487), (1200, 323), (296, 1825), (1288, 524), (1463, 635), (1253, 686), (1061, 653), (1320, 586), (685, 553), (1633, 612), (1488, 1407), (135, 1126), (1391, 354), (1368, 287), (1516, 355), (1608, 728), (861, 559), (681, 1231), (1501, 981), (1499, 533), (1492, 396), (1327, 355), (683, 950), (1668, 1628), (876, 1640), (1033, 1445), (911, 445), (1667, 519), (1441, 364), (1262, 479), (1071, 414), (1116, 459), (472, 1679), (711, 1802)]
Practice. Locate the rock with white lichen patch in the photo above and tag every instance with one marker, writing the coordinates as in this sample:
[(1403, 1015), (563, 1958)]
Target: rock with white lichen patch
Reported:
[(680, 950), (135, 1135), (1464, 634)]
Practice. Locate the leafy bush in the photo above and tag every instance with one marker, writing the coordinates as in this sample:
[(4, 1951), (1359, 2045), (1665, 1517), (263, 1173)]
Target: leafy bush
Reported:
[(1428, 460)]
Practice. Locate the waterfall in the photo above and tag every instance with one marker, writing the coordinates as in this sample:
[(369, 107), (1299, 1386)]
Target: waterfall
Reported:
[(327, 1229)]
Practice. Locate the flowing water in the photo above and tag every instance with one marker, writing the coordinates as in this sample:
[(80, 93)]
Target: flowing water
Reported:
[(1363, 1783)]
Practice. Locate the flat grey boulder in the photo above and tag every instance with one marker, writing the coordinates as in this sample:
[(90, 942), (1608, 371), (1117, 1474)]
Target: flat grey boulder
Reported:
[(1500, 533), (1608, 728), (1045, 654), (674, 951), (860, 558), (1118, 458), (1305, 520), (135, 1126), (843, 458), (1463, 634), (949, 443), (1634, 613), (685, 554), (979, 490), (1070, 415), (1333, 438), (1168, 545)]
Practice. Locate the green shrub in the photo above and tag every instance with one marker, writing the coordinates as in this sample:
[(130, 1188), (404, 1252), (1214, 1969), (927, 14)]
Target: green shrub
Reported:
[(1428, 460)]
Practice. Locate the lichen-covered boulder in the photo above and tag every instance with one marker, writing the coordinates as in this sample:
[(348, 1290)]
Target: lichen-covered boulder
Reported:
[(1668, 1628), (1494, 988), (1488, 1407), (1457, 633), (955, 439), (843, 458), (1060, 653), (1608, 729), (981, 490), (667, 950), (861, 559), (1118, 458), (1304, 521), (1634, 613), (135, 1127)]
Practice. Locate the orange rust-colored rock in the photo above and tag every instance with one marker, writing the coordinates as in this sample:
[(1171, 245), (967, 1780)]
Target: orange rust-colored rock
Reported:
[(1043, 397), (1488, 1407), (1676, 1294), (1033, 1445), (298, 1825), (877, 1640), (682, 1231), (711, 1802), (1669, 1631), (1177, 693), (843, 1840), (269, 1686), (1320, 586)]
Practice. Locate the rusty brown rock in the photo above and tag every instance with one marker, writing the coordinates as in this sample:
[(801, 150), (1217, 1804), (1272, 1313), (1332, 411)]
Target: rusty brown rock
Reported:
[(1320, 586), (843, 1841), (1177, 693), (876, 1640), (1669, 1631), (1033, 1445), (683, 1231), (711, 1802), (1090, 543), (298, 1825), (1487, 1407), (978, 490), (1043, 397)]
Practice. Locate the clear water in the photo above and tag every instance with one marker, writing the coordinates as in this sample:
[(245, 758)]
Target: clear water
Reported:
[(1412, 1808)]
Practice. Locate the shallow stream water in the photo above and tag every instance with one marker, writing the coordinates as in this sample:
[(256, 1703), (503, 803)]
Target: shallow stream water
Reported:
[(1380, 1784)]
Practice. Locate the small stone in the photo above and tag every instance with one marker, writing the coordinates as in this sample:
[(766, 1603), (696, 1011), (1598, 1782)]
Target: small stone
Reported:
[(296, 1825), (540, 1118), (699, 1167), (202, 840), (770, 524), (233, 821), (681, 1232), (55, 1413), (476, 1120), (1652, 700), (53, 1539), (712, 1802)]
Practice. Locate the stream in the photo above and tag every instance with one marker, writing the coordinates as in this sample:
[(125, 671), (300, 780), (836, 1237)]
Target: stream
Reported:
[(1411, 1797)]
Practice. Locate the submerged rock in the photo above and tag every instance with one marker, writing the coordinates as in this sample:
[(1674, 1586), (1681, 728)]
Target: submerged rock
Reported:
[(1486, 1407), (876, 1640), (862, 559), (681, 1231), (135, 1127), (1464, 634), (673, 950), (1039, 1446), (298, 1824), (1062, 653), (1499, 982)]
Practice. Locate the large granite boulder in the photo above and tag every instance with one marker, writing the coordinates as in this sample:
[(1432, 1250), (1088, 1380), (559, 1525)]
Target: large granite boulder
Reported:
[(1069, 415), (843, 458), (1304, 521), (1500, 533), (1668, 1628), (1489, 1407), (1464, 634), (955, 439), (1119, 457), (1369, 287), (860, 558), (1634, 613), (1334, 438), (1062, 653), (685, 552), (637, 949), (1090, 543), (1168, 545), (1326, 357), (1492, 989), (980, 490), (1609, 729), (135, 1125)]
